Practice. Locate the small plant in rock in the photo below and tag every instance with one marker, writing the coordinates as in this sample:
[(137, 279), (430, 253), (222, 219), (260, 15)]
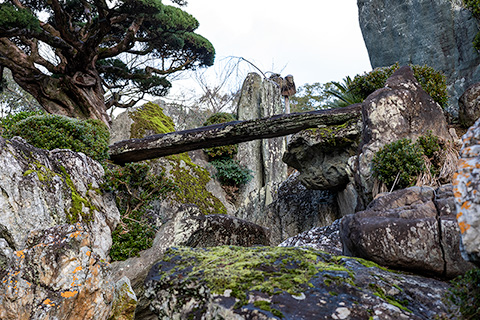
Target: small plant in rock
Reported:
[(464, 295), (398, 164), (231, 173), (134, 187), (50, 132), (228, 151)]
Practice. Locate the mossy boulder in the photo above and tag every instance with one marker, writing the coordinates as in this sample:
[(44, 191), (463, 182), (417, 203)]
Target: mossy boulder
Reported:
[(231, 282), (189, 179)]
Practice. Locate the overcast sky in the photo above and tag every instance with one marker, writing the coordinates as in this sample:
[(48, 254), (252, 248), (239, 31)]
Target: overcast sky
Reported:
[(316, 41)]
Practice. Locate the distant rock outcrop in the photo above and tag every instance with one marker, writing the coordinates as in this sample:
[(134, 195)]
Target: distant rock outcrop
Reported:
[(436, 33)]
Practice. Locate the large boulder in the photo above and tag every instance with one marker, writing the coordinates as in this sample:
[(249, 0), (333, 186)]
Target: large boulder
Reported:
[(469, 106), (436, 33), (295, 209), (411, 229), (55, 235), (258, 99), (283, 283), (467, 195), (402, 109), (188, 226), (321, 155)]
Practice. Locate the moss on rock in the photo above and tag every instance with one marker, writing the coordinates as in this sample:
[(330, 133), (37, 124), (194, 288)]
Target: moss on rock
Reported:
[(190, 179)]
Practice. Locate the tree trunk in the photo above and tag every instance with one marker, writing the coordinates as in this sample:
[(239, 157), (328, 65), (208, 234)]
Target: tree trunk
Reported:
[(227, 133), (80, 96)]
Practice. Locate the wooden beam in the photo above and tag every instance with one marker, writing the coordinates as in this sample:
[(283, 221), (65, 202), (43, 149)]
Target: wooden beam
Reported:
[(161, 145)]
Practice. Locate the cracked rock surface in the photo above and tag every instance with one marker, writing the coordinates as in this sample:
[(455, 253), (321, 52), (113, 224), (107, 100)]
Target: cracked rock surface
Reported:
[(411, 229)]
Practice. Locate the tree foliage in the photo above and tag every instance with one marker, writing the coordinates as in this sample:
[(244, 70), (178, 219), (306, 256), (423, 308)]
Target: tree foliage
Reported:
[(70, 54), (310, 97)]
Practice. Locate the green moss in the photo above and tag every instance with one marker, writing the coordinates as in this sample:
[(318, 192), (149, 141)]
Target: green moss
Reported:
[(150, 117), (379, 292), (76, 212), (191, 181), (271, 270), (332, 135)]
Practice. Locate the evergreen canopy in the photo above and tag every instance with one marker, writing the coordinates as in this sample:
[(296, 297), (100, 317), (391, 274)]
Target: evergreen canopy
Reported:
[(79, 57)]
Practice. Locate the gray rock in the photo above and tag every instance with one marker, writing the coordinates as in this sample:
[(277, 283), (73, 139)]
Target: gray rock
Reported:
[(321, 155), (124, 301), (400, 110), (469, 106), (321, 238), (409, 230), (224, 285), (467, 196), (438, 34), (260, 98), (189, 227), (296, 209)]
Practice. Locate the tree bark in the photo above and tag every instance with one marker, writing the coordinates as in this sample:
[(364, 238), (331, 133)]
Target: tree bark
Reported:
[(155, 146)]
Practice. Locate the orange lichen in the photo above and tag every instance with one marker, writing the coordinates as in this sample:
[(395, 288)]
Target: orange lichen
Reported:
[(75, 234), (457, 194), (79, 268), (459, 214), (49, 302), (463, 226), (69, 294), (466, 205), (88, 253), (20, 254)]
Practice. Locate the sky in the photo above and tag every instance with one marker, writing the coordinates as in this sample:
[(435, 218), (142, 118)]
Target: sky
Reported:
[(315, 41)]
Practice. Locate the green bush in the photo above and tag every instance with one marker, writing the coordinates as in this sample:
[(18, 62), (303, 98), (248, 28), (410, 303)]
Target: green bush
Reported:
[(231, 173), (54, 131), (134, 187), (432, 81), (402, 158), (224, 151), (465, 294), (7, 122)]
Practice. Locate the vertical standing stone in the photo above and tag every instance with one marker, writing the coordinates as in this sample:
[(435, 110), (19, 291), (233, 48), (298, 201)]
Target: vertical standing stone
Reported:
[(260, 98)]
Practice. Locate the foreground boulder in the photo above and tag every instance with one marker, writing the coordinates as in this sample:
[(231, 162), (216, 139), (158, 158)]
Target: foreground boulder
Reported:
[(466, 191), (55, 234), (469, 106), (190, 227), (283, 283), (411, 229)]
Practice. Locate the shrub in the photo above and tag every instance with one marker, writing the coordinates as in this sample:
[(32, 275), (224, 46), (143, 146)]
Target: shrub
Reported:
[(465, 294), (432, 81), (231, 173), (54, 131), (401, 158), (224, 151), (134, 187), (7, 122)]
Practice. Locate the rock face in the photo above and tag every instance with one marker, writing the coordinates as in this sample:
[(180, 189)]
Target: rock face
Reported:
[(237, 283), (466, 187), (411, 229), (55, 235), (400, 110), (260, 98), (321, 155), (436, 33), (295, 209), (321, 238), (469, 106)]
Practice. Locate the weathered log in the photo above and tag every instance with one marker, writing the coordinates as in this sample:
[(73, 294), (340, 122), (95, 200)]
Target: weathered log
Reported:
[(160, 145)]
